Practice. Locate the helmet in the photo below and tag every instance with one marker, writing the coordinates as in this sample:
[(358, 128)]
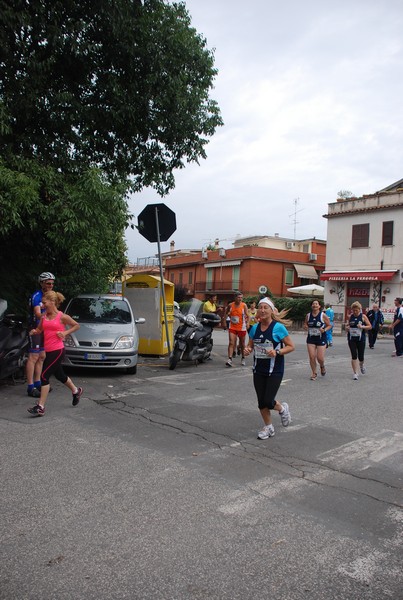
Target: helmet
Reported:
[(44, 276)]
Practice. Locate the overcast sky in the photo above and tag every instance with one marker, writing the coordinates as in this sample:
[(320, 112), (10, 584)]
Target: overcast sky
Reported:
[(311, 94)]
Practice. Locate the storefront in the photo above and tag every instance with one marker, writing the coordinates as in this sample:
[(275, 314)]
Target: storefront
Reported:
[(366, 287)]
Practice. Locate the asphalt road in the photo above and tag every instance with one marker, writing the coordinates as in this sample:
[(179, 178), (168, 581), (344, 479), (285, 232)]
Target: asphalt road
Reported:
[(156, 486)]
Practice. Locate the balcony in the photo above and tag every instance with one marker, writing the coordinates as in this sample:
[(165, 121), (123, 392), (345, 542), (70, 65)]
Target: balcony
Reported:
[(218, 286)]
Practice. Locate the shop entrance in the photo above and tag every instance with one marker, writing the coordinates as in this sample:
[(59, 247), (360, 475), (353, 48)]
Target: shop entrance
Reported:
[(357, 292)]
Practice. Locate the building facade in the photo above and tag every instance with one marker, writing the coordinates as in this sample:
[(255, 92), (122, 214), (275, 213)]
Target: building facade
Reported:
[(274, 262), (364, 258)]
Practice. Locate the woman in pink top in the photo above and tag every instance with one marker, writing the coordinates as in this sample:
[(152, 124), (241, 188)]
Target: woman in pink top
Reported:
[(53, 325)]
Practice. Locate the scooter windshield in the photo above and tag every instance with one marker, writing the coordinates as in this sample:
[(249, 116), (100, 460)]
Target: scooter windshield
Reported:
[(192, 307), (3, 307)]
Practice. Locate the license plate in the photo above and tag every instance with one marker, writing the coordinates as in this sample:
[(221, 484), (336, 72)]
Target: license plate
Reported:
[(88, 356)]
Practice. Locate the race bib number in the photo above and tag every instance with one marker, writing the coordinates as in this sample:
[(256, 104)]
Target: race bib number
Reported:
[(260, 351), (315, 332), (235, 320), (355, 332)]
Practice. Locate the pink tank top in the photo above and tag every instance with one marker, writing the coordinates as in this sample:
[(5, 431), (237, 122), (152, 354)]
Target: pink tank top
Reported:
[(50, 329)]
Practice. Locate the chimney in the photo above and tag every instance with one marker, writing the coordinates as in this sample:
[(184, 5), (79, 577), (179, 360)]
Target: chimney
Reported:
[(172, 246), (216, 243)]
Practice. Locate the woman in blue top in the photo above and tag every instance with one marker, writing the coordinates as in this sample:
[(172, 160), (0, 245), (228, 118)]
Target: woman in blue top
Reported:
[(356, 326), (269, 341), (317, 323)]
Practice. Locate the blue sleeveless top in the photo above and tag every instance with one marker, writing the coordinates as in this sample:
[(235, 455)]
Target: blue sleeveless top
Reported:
[(272, 338), (355, 334)]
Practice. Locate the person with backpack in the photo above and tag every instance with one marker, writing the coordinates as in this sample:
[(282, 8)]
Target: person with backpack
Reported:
[(36, 352)]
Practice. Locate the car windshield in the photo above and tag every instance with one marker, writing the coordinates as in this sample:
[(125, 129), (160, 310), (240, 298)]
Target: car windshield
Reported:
[(99, 310)]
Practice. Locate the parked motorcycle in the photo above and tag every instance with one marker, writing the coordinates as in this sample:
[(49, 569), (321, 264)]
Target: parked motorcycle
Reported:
[(14, 344), (193, 338)]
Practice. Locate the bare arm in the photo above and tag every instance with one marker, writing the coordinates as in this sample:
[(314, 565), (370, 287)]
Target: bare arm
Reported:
[(367, 323), (37, 329), (73, 326), (326, 319)]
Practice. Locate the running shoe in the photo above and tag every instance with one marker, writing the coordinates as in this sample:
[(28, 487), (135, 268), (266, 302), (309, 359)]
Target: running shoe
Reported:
[(243, 363), (77, 396), (229, 363), (363, 369), (355, 376), (266, 432), (37, 411), (285, 415), (34, 393)]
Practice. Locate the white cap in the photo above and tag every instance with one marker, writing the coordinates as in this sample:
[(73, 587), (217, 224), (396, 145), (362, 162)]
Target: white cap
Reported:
[(267, 301)]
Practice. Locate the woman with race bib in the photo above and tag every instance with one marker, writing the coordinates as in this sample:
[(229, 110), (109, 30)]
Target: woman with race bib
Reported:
[(317, 324), (269, 341), (356, 326)]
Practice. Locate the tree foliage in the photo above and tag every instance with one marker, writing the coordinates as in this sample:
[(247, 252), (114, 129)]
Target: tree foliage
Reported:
[(96, 100), (123, 86), (71, 228)]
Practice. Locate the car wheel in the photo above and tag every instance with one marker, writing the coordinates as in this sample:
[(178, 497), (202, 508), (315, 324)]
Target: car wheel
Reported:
[(131, 370)]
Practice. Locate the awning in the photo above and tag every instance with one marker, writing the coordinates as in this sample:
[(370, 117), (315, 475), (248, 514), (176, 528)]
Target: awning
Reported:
[(306, 271), (357, 275), (228, 263)]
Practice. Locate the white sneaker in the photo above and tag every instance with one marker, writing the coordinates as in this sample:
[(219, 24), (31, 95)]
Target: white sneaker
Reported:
[(229, 363), (285, 415), (355, 376), (243, 363), (363, 369), (266, 432)]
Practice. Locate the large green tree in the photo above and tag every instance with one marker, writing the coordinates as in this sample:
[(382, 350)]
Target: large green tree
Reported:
[(96, 100)]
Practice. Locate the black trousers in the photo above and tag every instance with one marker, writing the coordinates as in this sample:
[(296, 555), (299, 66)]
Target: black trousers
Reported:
[(372, 335)]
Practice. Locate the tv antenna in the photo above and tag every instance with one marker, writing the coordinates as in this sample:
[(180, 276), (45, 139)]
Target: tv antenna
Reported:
[(294, 215)]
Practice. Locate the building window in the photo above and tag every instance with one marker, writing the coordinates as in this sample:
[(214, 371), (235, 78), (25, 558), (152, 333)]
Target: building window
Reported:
[(209, 279), (190, 278), (172, 277), (360, 236), (289, 276), (387, 233), (180, 280), (305, 247), (235, 278)]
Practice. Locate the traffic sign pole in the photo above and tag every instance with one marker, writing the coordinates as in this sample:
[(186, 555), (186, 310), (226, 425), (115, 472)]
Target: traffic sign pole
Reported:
[(149, 227), (164, 304)]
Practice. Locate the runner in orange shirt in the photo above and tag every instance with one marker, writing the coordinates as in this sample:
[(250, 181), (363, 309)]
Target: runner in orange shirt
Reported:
[(238, 314)]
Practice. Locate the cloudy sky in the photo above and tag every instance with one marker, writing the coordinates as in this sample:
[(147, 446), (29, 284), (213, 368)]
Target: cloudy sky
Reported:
[(311, 94)]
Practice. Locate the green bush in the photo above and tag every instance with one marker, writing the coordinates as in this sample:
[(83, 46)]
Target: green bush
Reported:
[(297, 307)]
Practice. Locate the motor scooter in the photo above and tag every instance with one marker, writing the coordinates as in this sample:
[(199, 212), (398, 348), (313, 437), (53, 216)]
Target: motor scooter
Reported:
[(14, 344), (193, 338)]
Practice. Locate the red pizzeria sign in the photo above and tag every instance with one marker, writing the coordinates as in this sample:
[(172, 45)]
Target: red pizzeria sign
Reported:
[(358, 292), (358, 276)]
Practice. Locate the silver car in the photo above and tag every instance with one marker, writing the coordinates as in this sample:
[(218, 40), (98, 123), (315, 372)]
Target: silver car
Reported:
[(107, 336)]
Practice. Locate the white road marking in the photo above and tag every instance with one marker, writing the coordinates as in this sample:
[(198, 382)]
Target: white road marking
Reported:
[(376, 449)]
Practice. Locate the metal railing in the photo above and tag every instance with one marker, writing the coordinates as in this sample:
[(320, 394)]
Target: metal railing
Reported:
[(218, 286)]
